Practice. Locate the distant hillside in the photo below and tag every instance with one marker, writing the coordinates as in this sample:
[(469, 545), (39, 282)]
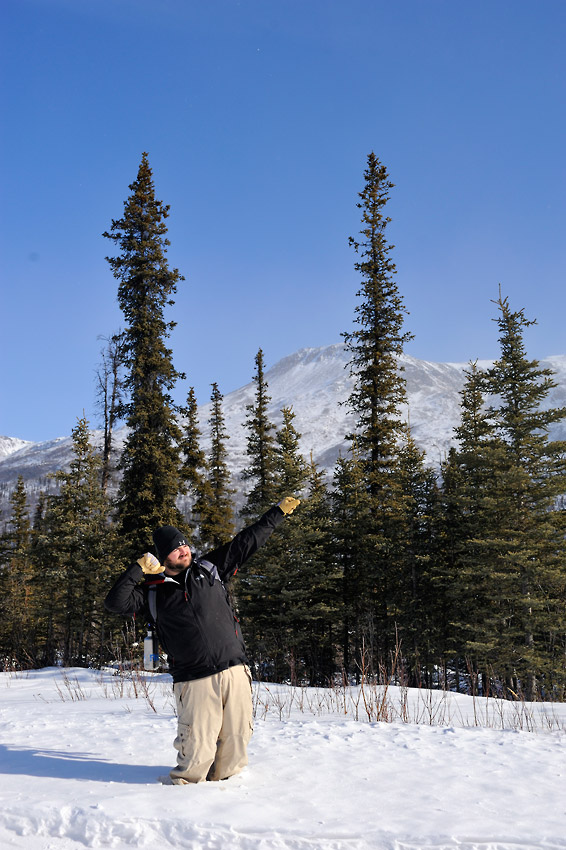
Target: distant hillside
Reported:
[(314, 381)]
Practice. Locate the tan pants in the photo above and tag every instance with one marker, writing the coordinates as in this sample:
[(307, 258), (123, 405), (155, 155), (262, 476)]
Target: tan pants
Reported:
[(214, 717)]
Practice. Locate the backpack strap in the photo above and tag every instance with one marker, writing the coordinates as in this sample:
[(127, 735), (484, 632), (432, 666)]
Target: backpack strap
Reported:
[(152, 602), (151, 585), (209, 569)]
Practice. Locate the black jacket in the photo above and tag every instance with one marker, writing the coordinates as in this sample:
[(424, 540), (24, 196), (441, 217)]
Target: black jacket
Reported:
[(195, 622)]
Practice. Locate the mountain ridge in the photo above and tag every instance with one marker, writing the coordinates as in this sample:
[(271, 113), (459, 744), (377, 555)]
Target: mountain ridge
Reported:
[(315, 382)]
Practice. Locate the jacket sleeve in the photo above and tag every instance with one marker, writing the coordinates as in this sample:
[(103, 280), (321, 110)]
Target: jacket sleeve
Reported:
[(230, 556), (126, 596)]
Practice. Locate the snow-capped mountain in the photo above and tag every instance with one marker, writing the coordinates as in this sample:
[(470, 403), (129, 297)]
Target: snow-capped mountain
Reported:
[(9, 445), (314, 382)]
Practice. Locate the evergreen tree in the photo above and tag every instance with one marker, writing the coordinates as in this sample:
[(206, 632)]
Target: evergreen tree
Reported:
[(289, 593), (48, 615), (257, 584), (279, 566), (505, 539), (260, 582), (352, 529), (150, 461), (78, 549), (310, 600), (214, 504), (260, 448), (193, 470), (18, 592), (469, 522), (419, 590), (379, 388), (291, 469), (379, 391), (194, 460), (530, 579)]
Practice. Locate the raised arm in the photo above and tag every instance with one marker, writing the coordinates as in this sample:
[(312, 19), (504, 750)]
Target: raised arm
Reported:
[(228, 557)]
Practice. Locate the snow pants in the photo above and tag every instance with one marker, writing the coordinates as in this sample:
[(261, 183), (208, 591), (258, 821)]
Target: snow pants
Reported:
[(214, 726)]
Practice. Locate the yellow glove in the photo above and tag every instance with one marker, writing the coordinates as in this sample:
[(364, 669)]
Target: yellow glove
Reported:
[(288, 504), (150, 564)]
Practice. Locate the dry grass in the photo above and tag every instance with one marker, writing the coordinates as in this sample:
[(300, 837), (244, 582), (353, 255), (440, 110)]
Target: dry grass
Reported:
[(367, 702)]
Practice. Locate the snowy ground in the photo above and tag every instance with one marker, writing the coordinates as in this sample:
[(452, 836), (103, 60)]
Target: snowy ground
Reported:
[(80, 753)]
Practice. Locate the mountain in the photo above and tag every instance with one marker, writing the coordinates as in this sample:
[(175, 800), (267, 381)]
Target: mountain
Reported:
[(9, 445), (314, 381)]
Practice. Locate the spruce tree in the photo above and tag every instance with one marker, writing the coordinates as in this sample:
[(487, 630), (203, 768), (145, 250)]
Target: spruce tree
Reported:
[(77, 555), (506, 539), (469, 523), (261, 580), (257, 585), (379, 388), (379, 391), (284, 576), (214, 504), (48, 612), (530, 579), (352, 530), (291, 468), (194, 460), (193, 469), (150, 460), (289, 593), (260, 448), (19, 592), (310, 600), (419, 588)]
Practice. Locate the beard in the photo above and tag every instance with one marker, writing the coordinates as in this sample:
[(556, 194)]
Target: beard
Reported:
[(179, 565)]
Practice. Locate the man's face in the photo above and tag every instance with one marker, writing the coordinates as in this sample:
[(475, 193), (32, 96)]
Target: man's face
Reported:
[(177, 560)]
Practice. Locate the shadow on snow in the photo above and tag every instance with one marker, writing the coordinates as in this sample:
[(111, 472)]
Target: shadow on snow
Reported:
[(66, 764)]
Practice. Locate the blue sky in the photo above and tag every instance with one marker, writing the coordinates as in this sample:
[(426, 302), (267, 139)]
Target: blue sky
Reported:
[(258, 116)]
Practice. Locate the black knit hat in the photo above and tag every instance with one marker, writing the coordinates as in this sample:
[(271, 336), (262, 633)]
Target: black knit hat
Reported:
[(167, 538)]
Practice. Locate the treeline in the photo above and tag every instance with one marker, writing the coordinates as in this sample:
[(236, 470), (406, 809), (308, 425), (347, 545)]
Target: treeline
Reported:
[(454, 579)]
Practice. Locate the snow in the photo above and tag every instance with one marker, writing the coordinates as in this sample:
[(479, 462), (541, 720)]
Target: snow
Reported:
[(9, 445), (82, 750)]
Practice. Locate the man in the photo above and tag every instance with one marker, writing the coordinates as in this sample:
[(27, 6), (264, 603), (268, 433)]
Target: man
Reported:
[(186, 600)]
